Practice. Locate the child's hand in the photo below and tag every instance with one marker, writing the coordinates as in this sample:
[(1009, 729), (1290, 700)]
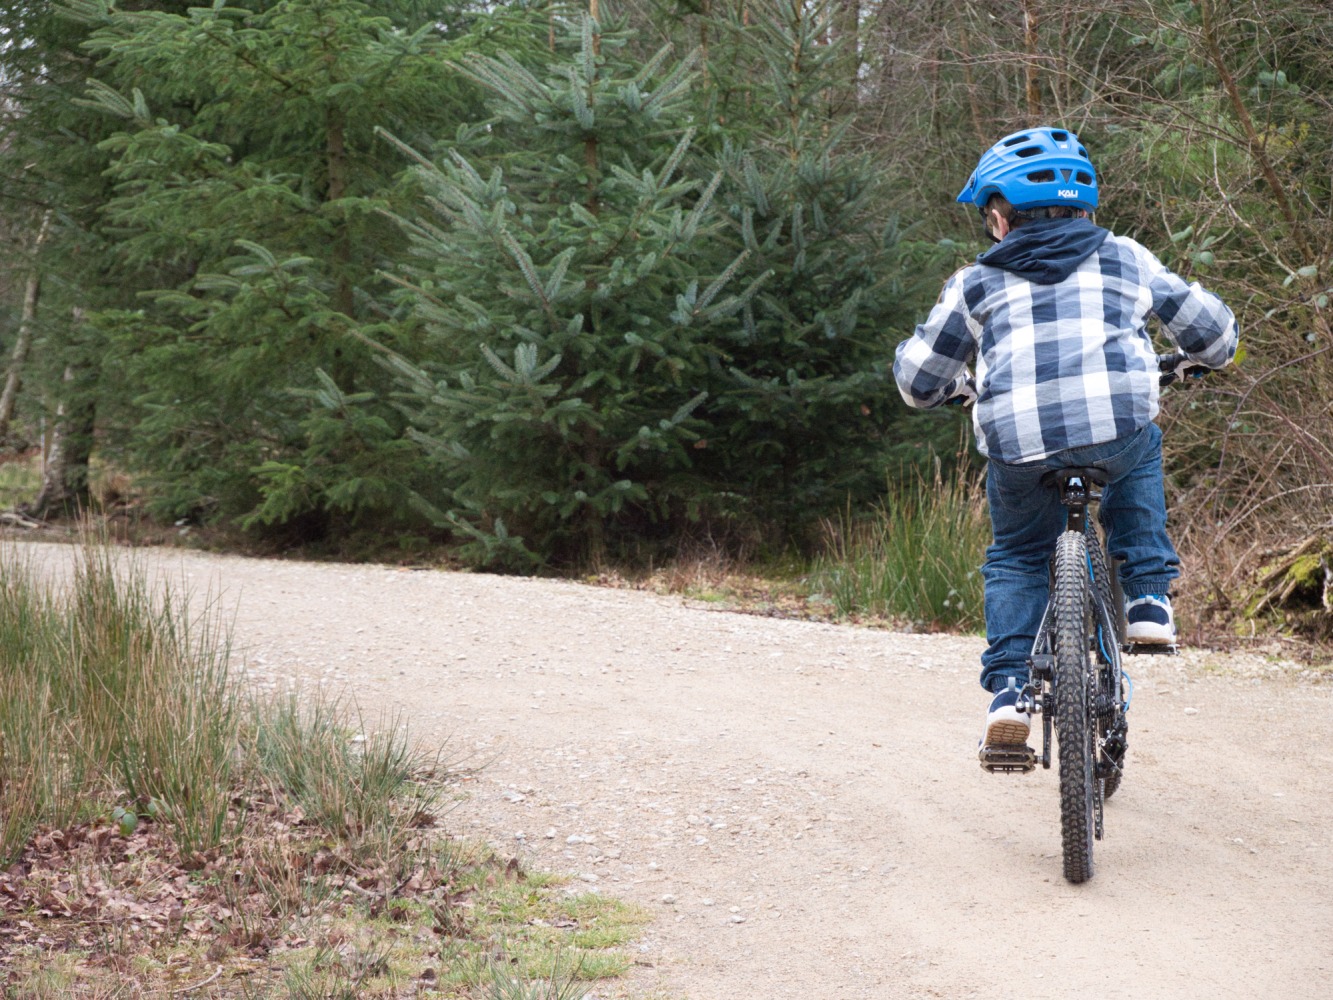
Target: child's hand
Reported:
[(965, 394), (1177, 367)]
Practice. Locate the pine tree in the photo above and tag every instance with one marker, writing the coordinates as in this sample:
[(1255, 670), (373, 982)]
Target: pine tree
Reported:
[(574, 303), (50, 163), (249, 187), (805, 413)]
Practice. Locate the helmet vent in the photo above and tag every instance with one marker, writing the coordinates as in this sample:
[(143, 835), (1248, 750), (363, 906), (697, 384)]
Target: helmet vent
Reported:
[(1060, 136), (1083, 178), (1014, 140), (1042, 177), (1028, 151), (1065, 172)]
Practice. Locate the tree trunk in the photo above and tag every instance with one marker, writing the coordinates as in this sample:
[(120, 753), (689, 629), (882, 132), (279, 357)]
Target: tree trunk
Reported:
[(705, 14), (984, 137), (1254, 144), (64, 490), (1031, 84), (590, 151), (9, 397), (846, 31), (340, 251)]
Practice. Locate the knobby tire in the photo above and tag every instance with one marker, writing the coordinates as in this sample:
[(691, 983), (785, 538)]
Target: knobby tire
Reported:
[(1073, 716), (1108, 592), (1107, 587)]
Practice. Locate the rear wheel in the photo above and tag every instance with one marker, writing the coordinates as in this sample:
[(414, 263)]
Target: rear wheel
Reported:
[(1074, 724)]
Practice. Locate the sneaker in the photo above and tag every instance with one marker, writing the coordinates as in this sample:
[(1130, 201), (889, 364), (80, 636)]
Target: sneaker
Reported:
[(1149, 620), (1005, 724)]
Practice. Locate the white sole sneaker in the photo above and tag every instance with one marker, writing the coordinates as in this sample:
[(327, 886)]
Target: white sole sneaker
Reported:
[(1007, 727), (1145, 631), (1154, 638)]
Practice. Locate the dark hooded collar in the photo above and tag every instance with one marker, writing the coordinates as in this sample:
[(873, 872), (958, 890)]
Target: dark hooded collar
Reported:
[(1046, 251)]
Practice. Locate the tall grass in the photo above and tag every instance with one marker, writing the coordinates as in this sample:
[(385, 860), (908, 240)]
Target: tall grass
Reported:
[(158, 699), (915, 558), (35, 776), (108, 691), (112, 693), (359, 786)]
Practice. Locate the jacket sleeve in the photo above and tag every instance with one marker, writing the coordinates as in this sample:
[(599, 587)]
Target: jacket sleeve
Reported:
[(1196, 320), (931, 365)]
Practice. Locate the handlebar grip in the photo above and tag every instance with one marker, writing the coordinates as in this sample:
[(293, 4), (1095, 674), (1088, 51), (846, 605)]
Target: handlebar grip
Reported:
[(966, 396), (1169, 368)]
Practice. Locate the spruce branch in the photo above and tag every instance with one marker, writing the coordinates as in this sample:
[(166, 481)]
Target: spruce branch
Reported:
[(741, 301), (747, 229), (528, 269), (505, 77), (683, 231), (684, 411), (651, 67), (673, 161), (583, 113), (557, 278), (588, 47), (104, 97), (404, 148), (673, 84), (720, 282)]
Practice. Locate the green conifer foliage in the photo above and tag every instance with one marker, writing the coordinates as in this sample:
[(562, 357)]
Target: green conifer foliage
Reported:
[(805, 413), (575, 300), (249, 189), (51, 167)]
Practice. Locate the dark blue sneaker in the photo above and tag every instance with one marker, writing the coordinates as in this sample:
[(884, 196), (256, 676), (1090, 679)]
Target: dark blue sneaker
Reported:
[(1149, 620), (1005, 724)]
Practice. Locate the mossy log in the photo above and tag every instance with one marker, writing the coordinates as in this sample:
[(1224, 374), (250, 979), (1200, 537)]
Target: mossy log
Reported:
[(1299, 581)]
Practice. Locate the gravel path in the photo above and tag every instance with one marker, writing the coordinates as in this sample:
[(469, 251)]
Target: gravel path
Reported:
[(799, 804)]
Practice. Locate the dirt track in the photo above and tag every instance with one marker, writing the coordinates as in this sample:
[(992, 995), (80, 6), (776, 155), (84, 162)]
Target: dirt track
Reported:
[(800, 805)]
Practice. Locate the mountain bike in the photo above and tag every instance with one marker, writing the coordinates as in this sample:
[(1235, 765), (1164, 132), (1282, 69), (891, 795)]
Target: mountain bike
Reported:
[(1076, 681)]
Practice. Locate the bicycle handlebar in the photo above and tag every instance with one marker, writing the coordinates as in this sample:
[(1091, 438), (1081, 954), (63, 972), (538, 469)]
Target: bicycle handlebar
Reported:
[(1172, 367)]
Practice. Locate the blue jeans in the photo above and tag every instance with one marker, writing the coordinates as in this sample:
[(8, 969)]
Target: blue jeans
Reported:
[(1026, 519)]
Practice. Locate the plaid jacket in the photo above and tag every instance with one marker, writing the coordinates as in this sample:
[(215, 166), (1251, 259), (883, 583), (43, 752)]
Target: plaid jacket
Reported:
[(1060, 365)]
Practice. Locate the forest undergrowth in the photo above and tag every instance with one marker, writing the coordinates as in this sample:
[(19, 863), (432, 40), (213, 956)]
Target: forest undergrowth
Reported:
[(165, 830)]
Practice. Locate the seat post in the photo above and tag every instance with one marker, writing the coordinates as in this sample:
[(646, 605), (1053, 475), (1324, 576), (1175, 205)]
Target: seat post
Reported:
[(1078, 488)]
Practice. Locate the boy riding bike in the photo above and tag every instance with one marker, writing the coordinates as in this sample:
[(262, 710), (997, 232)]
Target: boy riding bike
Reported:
[(1055, 318)]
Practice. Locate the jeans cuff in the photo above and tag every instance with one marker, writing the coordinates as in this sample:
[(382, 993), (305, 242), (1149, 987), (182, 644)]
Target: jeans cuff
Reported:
[(998, 679), (1157, 585)]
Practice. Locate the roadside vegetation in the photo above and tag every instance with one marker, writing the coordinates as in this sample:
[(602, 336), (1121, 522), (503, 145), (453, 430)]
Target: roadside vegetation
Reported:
[(562, 287), (164, 830), (915, 559)]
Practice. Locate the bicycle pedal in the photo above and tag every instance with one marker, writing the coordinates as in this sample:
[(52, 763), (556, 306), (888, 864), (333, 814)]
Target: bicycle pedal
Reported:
[(1150, 649), (1007, 759)]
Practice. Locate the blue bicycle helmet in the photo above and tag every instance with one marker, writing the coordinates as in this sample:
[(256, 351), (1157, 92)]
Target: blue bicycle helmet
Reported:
[(1035, 168)]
